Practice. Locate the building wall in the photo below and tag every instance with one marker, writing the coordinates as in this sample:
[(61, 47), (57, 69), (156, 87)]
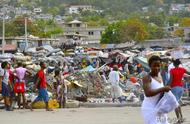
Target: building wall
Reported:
[(76, 9), (187, 32), (170, 42), (91, 34), (73, 10)]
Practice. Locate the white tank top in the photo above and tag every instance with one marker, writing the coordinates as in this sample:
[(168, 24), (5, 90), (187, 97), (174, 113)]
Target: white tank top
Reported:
[(150, 102)]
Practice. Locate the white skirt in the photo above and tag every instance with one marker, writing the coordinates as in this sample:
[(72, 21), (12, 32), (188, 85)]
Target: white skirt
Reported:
[(116, 91), (151, 117)]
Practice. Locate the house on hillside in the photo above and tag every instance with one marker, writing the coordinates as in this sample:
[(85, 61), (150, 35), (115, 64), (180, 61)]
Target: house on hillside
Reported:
[(176, 8), (22, 11), (79, 31), (76, 9), (37, 10), (43, 16)]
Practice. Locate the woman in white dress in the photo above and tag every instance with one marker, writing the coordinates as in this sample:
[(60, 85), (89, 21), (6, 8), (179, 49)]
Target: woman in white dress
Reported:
[(153, 88)]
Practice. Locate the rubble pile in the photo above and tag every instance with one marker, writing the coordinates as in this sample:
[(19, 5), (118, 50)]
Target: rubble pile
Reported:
[(90, 68)]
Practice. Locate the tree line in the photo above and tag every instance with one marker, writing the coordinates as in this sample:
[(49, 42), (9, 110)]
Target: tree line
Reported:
[(140, 29), (40, 28)]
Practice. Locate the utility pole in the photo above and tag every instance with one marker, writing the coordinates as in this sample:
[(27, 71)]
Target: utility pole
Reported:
[(3, 37), (26, 40)]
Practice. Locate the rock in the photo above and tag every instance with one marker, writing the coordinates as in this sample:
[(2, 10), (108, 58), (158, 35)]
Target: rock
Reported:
[(72, 104)]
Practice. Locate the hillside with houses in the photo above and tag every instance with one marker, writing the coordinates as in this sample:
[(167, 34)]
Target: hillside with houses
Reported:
[(93, 21)]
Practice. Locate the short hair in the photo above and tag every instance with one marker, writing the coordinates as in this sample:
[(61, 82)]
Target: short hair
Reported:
[(4, 64), (42, 63), (153, 59), (115, 68), (57, 72), (176, 62), (19, 63)]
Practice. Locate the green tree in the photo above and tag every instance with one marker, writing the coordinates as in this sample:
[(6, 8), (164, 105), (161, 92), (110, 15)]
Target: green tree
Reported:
[(155, 32), (17, 27), (103, 22), (157, 19), (111, 34), (172, 20), (179, 33), (134, 29), (185, 22), (125, 31), (39, 28), (54, 11), (92, 23), (48, 28)]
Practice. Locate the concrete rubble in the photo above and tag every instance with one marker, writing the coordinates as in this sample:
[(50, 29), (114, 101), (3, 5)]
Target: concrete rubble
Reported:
[(87, 69)]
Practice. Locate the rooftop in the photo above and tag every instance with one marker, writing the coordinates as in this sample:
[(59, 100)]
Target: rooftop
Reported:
[(75, 22)]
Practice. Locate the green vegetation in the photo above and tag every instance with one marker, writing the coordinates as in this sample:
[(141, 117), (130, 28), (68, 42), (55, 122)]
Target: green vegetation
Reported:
[(126, 20), (116, 9), (38, 28), (125, 31)]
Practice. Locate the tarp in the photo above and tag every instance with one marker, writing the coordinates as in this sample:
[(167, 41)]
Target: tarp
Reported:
[(107, 46), (143, 61), (88, 69), (48, 48)]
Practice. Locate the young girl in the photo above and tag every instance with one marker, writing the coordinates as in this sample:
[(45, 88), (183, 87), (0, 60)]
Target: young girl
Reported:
[(153, 88), (19, 86), (61, 89)]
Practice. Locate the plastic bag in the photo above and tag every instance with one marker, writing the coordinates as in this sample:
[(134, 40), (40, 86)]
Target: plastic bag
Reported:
[(53, 104), (167, 103)]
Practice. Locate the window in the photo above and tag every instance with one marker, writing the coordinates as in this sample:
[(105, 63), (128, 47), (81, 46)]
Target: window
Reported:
[(78, 25), (90, 33)]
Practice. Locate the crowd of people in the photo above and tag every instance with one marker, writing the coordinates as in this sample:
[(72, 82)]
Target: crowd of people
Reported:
[(162, 77), (13, 86), (14, 80)]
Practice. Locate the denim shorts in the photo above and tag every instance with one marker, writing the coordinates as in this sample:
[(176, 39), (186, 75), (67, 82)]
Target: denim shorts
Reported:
[(42, 95), (5, 90), (178, 92)]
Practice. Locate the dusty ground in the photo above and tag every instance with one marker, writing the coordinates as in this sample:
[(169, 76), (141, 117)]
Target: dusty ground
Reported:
[(118, 115)]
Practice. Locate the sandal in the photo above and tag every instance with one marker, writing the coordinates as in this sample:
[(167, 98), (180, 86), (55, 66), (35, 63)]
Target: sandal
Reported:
[(30, 107), (178, 122), (182, 120)]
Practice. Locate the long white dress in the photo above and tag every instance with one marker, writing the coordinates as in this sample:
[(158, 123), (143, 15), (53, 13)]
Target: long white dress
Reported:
[(148, 107), (116, 91)]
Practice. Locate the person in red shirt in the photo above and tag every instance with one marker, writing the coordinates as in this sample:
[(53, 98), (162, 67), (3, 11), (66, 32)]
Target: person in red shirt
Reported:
[(176, 83), (41, 85)]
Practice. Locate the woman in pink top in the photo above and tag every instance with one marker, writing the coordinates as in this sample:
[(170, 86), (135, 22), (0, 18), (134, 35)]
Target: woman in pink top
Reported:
[(19, 86)]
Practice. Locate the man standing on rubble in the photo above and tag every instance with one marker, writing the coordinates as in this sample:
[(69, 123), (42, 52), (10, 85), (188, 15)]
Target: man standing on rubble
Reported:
[(41, 85), (114, 80)]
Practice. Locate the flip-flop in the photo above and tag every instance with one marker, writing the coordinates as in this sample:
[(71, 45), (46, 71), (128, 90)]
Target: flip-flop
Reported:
[(182, 120), (30, 107), (178, 122)]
